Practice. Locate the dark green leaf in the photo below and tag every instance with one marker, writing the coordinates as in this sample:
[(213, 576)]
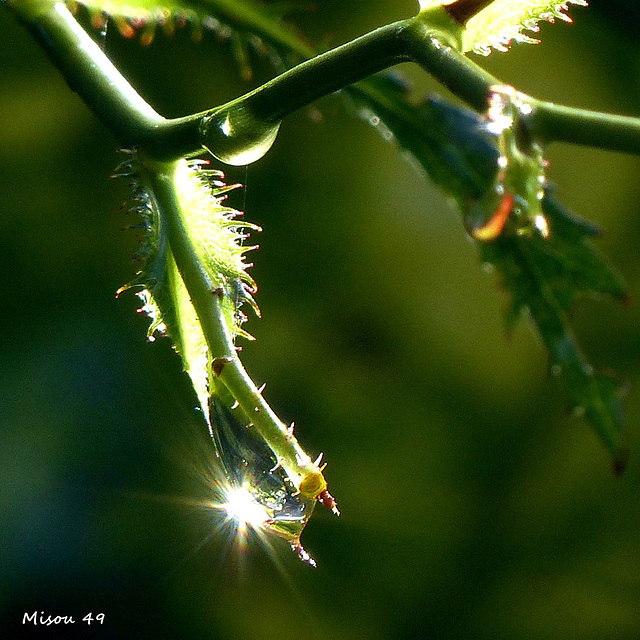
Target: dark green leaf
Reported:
[(544, 276), (449, 142)]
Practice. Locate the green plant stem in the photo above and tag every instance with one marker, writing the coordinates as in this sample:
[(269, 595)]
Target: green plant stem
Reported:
[(405, 40), (450, 67), (463, 10), (556, 123), (326, 73), (208, 306), (88, 71), (134, 123)]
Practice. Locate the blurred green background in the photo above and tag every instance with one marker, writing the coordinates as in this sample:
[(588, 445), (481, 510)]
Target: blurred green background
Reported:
[(473, 505)]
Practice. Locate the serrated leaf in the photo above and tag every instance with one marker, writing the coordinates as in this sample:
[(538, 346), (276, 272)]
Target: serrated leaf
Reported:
[(217, 237), (544, 276), (544, 264), (505, 21)]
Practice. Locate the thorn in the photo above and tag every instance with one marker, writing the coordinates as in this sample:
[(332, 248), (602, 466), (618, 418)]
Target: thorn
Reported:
[(318, 460), (235, 405), (300, 551), (277, 466), (290, 430), (262, 388), (328, 501)]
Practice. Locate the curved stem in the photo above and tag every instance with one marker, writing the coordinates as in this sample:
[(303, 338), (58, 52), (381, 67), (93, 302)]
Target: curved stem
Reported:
[(88, 71), (327, 73), (135, 123), (449, 66), (258, 111)]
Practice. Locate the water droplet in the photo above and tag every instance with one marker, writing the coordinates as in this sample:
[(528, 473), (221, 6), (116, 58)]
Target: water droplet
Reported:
[(260, 493), (541, 225), (235, 136)]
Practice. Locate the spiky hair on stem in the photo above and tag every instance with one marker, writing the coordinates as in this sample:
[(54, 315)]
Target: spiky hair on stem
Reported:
[(215, 227), (504, 21)]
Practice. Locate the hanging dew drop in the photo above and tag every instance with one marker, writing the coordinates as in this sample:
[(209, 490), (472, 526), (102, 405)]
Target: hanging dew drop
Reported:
[(259, 495), (236, 137)]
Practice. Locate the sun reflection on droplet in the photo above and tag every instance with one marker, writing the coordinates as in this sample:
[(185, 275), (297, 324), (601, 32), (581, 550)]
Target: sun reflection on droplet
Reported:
[(243, 509)]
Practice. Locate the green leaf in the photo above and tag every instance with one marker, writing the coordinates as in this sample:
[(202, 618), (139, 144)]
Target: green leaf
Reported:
[(543, 254), (544, 276), (504, 22), (450, 143), (248, 23)]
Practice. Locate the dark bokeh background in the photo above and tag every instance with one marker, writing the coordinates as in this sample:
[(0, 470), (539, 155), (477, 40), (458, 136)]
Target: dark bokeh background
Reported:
[(474, 505)]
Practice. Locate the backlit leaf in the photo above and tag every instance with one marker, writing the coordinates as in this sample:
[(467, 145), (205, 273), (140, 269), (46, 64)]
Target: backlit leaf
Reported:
[(506, 21)]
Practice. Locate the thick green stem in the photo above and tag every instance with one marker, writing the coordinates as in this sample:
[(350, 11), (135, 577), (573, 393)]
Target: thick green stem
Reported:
[(327, 73), (449, 66), (250, 122), (88, 71), (556, 123), (243, 130), (245, 120)]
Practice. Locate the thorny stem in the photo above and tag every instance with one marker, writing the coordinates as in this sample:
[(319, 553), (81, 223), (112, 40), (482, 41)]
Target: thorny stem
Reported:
[(90, 73), (161, 142), (161, 178)]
